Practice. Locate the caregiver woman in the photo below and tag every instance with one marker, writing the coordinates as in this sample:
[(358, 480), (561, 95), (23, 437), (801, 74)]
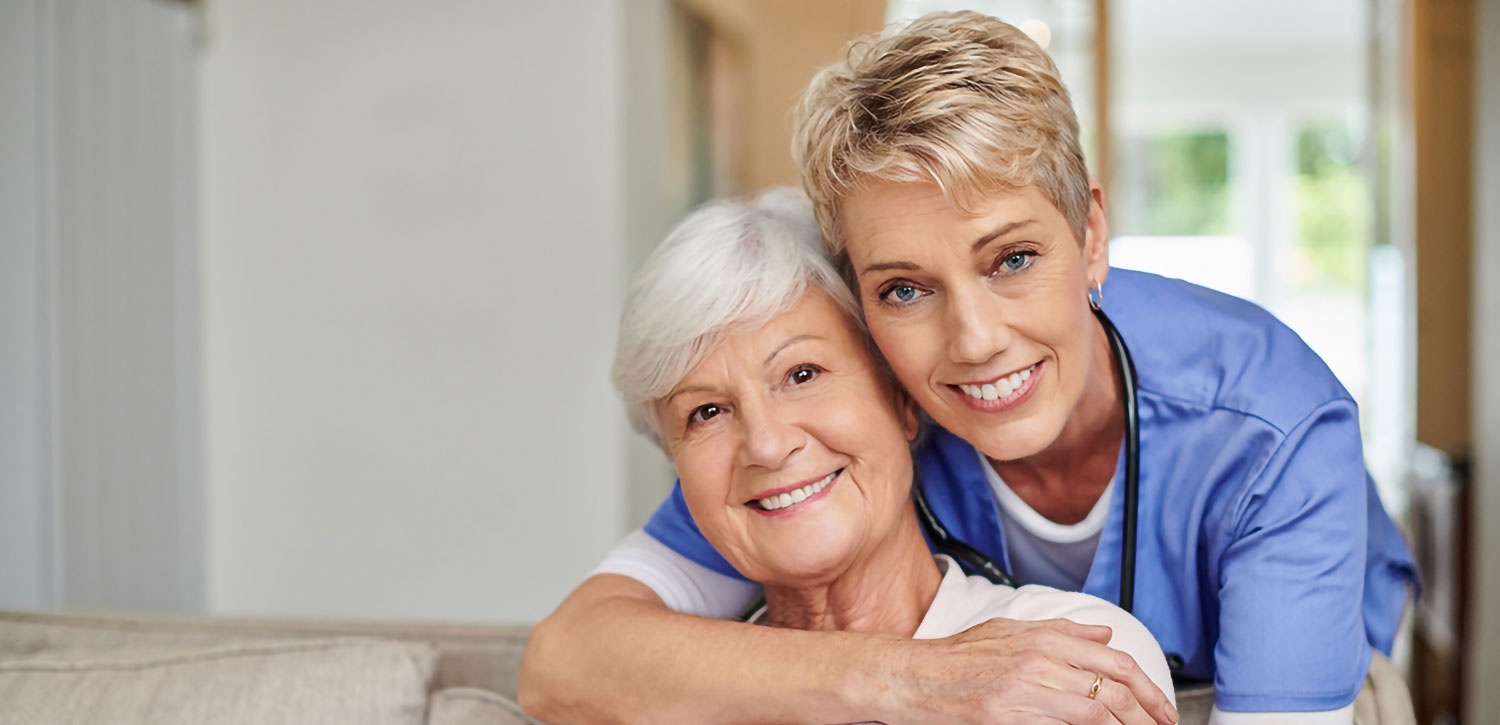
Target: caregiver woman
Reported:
[(944, 165)]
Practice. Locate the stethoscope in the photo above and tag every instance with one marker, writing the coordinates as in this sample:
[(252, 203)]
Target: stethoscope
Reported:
[(977, 563)]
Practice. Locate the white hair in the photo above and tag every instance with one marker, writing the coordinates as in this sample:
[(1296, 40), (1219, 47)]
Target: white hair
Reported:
[(728, 265)]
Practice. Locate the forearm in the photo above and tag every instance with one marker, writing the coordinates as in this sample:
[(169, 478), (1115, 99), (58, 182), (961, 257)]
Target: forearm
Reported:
[(613, 653)]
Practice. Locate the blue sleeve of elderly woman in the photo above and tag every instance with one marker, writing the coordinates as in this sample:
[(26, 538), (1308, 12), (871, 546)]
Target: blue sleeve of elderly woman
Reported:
[(1291, 573), (673, 525)]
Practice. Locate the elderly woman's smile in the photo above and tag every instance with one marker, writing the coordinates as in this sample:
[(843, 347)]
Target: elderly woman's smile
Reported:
[(791, 445), (780, 501)]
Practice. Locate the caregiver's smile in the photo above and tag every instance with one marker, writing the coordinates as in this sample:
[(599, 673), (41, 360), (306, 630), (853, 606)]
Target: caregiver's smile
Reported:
[(1002, 393)]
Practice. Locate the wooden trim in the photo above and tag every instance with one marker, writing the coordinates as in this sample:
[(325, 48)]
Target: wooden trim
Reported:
[(1443, 105)]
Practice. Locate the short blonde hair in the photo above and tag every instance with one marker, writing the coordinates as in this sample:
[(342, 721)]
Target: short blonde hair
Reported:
[(958, 99)]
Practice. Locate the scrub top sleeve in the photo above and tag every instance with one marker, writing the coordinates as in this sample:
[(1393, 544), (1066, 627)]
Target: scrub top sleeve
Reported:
[(1291, 574), (673, 525)]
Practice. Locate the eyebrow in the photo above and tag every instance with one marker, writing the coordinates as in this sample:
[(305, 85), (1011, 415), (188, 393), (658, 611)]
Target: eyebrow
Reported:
[(784, 345), (1002, 231), (975, 247), (684, 391), (788, 343)]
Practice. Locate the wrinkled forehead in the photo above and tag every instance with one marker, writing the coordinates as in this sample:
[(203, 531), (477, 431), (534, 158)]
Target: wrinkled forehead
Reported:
[(814, 317)]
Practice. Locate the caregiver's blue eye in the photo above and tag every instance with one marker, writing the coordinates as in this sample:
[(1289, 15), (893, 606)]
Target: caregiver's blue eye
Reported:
[(900, 293), (1016, 261)]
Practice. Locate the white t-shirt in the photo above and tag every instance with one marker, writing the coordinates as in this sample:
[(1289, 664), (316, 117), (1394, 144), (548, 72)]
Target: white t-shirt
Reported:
[(1043, 551)]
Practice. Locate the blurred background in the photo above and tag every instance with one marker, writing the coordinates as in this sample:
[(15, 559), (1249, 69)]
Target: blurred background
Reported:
[(307, 308)]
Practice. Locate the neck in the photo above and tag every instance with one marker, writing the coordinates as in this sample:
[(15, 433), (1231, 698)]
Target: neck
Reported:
[(885, 591), (1083, 458)]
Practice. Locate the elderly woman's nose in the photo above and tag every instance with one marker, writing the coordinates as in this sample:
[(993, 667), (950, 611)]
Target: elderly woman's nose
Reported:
[(975, 332), (769, 437)]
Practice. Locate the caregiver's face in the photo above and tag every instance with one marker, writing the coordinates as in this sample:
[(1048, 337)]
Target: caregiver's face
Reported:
[(984, 318), (792, 451)]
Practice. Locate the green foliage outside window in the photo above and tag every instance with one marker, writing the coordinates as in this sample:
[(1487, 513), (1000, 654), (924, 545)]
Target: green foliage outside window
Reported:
[(1178, 184), (1333, 208)]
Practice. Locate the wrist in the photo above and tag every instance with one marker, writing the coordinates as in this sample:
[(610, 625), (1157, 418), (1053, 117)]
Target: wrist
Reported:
[(880, 686)]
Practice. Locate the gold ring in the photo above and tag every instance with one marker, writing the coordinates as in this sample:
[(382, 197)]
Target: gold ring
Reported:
[(1098, 683)]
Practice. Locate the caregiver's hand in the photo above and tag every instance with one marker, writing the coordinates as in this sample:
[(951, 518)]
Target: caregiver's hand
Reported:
[(1005, 671)]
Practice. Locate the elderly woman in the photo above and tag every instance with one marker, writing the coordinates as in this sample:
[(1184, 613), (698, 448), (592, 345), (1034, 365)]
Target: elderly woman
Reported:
[(1214, 486), (742, 354)]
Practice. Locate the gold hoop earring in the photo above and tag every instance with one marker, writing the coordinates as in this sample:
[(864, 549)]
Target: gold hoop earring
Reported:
[(1095, 294)]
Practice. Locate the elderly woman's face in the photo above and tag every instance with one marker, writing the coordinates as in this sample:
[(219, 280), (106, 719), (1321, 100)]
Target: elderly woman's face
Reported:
[(984, 318), (792, 450)]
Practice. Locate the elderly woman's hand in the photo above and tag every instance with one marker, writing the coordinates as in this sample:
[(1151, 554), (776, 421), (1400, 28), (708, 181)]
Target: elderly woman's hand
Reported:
[(1005, 671)]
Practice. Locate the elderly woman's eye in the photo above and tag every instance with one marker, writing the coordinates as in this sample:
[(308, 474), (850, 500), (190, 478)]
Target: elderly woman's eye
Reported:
[(702, 413), (803, 374)]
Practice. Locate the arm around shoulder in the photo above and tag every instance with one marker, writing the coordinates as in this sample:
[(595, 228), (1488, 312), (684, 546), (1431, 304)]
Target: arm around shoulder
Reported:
[(613, 652), (623, 647)]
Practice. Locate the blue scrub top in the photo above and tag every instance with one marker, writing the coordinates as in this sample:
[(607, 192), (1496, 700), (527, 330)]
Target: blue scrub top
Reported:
[(1264, 557)]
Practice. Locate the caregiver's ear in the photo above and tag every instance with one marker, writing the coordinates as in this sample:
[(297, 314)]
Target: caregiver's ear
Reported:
[(1096, 235)]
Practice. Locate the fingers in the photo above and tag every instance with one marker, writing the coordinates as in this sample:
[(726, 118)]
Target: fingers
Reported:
[(1047, 669), (1118, 668), (1114, 698), (1121, 671), (1056, 690), (1092, 632), (1031, 718)]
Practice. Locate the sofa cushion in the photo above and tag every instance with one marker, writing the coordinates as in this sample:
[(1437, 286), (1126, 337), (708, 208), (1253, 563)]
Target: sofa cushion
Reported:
[(469, 655), (304, 681), (473, 706)]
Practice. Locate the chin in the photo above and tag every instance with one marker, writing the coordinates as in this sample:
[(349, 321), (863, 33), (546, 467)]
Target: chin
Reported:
[(1013, 441), (803, 561)]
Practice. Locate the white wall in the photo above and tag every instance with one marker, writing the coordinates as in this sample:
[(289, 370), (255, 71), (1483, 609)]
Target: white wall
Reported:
[(1483, 697), (412, 244)]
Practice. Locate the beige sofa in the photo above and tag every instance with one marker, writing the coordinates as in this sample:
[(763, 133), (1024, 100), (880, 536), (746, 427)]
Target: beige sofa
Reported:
[(166, 669)]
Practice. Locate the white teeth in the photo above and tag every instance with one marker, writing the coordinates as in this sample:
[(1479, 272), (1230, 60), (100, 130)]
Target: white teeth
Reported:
[(1001, 388), (781, 501)]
